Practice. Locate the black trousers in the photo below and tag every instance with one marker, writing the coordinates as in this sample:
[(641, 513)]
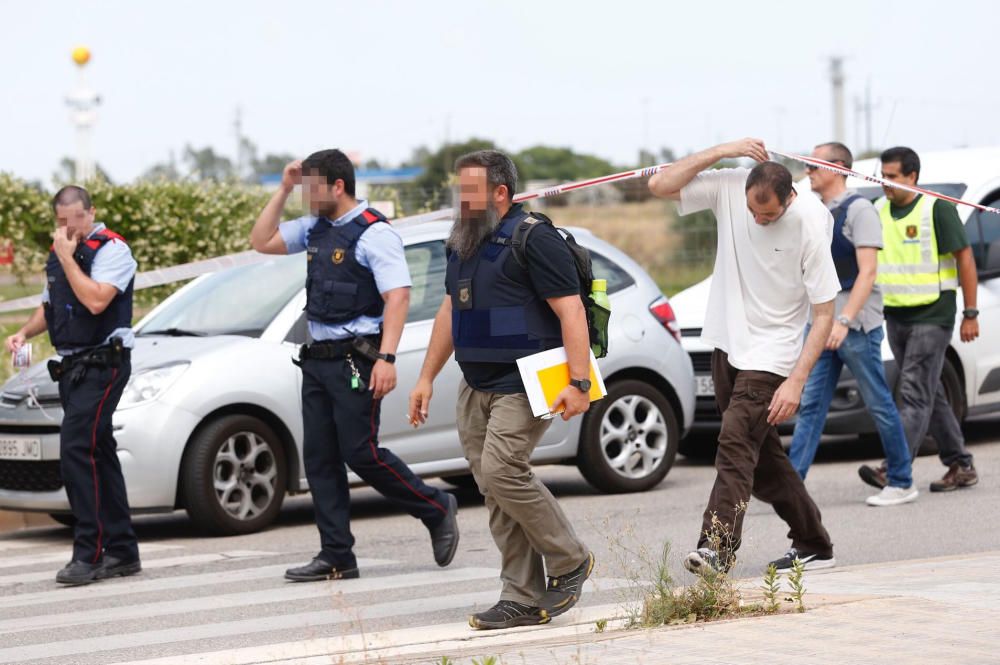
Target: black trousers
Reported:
[(341, 430), (88, 460), (751, 461)]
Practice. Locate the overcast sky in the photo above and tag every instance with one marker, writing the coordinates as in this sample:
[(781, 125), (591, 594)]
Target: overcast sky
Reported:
[(382, 77)]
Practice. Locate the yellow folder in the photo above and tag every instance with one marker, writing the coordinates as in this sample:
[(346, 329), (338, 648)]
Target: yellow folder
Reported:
[(546, 374)]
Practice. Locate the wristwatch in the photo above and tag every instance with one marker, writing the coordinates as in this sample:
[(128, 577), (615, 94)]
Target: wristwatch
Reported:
[(844, 321), (970, 313), (388, 357), (583, 385)]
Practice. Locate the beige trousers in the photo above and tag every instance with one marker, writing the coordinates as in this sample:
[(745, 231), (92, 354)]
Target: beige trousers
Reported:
[(498, 435)]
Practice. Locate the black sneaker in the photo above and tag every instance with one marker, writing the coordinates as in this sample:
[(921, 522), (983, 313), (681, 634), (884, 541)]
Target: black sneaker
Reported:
[(810, 560), (704, 561), (76, 573), (564, 591), (508, 614), (874, 475)]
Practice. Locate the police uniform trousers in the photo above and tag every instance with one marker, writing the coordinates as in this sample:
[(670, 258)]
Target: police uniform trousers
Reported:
[(341, 431), (88, 461)]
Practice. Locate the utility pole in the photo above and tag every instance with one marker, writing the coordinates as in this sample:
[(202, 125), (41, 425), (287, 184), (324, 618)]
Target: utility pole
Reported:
[(83, 103), (238, 129), (868, 116), (837, 82)]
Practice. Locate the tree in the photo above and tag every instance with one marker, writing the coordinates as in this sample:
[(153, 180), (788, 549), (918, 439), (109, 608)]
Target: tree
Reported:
[(67, 172), (562, 164), (271, 164), (205, 164), (439, 165)]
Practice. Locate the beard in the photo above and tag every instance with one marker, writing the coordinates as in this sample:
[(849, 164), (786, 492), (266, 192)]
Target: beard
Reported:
[(471, 229)]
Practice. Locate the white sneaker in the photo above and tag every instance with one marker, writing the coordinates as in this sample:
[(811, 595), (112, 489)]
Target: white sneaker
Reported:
[(893, 496)]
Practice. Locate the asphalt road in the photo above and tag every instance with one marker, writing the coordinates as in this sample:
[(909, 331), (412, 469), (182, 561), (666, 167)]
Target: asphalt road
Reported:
[(202, 594)]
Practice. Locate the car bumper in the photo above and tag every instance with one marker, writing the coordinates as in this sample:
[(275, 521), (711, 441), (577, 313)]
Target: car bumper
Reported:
[(847, 414), (148, 449)]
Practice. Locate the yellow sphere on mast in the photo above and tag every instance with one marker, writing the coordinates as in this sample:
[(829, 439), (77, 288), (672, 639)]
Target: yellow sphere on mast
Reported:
[(81, 55)]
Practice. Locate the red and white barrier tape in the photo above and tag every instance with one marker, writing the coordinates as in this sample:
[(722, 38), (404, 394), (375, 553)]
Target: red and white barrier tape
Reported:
[(145, 280), (842, 170)]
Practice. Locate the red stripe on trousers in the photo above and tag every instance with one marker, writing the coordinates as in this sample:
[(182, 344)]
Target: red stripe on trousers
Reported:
[(371, 444), (93, 466)]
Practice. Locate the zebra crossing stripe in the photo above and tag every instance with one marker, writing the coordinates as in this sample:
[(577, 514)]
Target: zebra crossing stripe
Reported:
[(147, 564), (284, 594), (247, 627), (64, 557), (133, 585), (391, 645)]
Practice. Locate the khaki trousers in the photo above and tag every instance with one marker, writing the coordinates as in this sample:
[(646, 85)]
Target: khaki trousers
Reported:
[(498, 435)]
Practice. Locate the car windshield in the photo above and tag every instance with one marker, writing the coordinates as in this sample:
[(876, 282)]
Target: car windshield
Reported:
[(237, 301)]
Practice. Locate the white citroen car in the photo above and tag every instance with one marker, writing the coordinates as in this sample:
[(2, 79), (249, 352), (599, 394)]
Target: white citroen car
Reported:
[(971, 375), (211, 418)]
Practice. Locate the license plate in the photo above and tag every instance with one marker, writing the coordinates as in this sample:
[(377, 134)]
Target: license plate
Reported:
[(26, 449), (704, 386)]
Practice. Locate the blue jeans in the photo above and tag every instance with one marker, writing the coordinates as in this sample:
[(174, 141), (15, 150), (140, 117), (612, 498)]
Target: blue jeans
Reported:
[(862, 353)]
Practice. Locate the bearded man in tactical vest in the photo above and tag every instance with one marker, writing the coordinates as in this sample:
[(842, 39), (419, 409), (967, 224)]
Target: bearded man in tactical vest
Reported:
[(495, 312), (87, 310), (357, 297)]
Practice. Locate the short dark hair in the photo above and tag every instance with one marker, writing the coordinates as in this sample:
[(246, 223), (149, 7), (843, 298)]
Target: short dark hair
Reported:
[(839, 152), (909, 161), (500, 169), (333, 165), (69, 195), (770, 177)]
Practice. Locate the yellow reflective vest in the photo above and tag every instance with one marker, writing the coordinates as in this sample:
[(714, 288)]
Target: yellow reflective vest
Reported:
[(910, 270)]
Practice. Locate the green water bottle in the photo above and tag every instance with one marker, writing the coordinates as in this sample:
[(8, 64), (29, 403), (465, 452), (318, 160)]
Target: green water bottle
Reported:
[(599, 292), (600, 315)]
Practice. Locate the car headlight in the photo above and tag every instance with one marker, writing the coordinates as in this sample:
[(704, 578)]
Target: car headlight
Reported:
[(149, 384)]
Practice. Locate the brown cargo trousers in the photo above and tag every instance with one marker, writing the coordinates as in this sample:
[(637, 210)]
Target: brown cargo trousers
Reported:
[(751, 460)]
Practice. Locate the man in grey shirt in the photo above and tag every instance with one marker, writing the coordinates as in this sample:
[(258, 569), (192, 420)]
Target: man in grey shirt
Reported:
[(856, 338)]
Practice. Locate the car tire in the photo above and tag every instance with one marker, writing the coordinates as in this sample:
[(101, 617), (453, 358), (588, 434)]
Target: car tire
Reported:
[(633, 414), (66, 519), (954, 392), (233, 476)]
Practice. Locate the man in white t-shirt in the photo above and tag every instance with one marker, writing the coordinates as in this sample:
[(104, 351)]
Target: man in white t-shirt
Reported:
[(773, 262)]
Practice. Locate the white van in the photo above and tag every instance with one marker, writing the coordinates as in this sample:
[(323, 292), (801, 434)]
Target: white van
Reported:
[(971, 375)]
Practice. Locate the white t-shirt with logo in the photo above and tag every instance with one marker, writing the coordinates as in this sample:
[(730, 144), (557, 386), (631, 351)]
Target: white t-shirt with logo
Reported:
[(765, 276)]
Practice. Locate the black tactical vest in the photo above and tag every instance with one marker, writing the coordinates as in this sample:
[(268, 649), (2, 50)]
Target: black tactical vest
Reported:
[(845, 259), (338, 288), (496, 315), (70, 323)]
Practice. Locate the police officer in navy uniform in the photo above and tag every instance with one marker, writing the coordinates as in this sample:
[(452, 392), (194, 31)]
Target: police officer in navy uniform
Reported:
[(87, 310), (357, 297)]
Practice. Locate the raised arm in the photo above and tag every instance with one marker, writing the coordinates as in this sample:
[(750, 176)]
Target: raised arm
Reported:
[(264, 236), (669, 182)]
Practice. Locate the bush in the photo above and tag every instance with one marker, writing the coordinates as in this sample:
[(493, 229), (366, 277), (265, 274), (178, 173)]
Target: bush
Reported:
[(165, 223)]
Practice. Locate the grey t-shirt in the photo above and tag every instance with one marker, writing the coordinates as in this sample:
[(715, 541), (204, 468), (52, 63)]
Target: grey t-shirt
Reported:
[(864, 229)]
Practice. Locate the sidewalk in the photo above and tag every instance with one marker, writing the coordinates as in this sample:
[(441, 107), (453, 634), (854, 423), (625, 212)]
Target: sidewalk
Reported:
[(926, 611)]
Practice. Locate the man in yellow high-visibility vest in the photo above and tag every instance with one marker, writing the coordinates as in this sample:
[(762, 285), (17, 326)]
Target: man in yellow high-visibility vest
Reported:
[(925, 256)]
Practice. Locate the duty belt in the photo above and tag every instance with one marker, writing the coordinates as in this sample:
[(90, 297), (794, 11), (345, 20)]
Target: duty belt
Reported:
[(334, 349), (76, 365)]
